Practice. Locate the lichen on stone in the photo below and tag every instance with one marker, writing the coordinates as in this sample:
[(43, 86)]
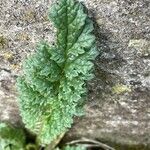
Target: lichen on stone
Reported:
[(120, 88), (142, 45)]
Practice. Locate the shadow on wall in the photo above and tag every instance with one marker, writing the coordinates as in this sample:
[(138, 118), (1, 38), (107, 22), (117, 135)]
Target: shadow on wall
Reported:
[(108, 61)]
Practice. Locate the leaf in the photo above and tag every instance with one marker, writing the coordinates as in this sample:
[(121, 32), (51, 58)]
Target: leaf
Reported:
[(52, 88), (75, 148), (72, 148), (11, 138)]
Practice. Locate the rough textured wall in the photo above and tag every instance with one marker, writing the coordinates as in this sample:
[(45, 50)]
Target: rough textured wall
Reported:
[(23, 23), (118, 105)]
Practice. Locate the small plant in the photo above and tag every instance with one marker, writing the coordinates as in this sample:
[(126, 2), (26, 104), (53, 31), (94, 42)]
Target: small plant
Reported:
[(11, 138), (52, 88)]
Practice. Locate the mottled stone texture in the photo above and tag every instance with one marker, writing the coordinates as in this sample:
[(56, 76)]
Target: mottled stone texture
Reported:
[(118, 104)]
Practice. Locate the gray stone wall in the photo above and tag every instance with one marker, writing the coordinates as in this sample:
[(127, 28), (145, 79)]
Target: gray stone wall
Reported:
[(118, 104)]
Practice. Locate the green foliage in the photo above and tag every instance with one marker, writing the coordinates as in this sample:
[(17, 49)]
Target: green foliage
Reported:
[(72, 148), (52, 88), (11, 138)]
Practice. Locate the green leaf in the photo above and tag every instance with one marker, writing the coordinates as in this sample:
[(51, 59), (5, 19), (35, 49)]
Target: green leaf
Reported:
[(52, 88), (79, 147), (11, 138)]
